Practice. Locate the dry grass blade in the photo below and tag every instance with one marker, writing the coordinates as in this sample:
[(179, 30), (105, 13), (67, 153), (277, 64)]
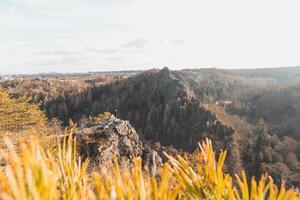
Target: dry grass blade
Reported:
[(34, 174)]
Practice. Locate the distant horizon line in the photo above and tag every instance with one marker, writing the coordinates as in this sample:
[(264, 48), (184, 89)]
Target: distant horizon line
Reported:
[(147, 69)]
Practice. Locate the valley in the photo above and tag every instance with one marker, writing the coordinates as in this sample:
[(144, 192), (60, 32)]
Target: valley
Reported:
[(251, 114)]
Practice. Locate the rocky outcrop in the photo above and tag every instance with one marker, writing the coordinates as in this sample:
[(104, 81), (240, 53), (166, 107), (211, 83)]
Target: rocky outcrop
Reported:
[(163, 108), (115, 138)]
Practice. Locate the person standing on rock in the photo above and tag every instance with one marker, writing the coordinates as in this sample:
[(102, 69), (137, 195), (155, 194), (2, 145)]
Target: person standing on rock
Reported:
[(116, 112)]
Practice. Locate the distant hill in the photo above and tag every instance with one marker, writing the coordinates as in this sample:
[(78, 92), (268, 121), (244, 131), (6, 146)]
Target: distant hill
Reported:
[(284, 75)]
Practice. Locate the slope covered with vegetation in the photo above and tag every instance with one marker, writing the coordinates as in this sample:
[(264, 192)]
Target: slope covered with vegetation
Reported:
[(283, 75), (17, 115), (180, 108)]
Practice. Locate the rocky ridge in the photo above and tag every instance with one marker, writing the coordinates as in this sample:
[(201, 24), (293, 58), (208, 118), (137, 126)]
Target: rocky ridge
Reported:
[(115, 138), (163, 107)]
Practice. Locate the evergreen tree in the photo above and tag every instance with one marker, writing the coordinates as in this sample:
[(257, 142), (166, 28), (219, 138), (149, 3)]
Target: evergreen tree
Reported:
[(263, 145)]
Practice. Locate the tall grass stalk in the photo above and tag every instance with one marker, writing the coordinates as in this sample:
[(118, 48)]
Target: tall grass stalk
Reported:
[(34, 173)]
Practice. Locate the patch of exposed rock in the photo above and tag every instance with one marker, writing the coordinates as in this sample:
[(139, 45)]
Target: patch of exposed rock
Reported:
[(114, 137)]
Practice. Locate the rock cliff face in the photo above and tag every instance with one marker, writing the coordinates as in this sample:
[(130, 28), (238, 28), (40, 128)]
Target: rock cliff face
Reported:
[(115, 138)]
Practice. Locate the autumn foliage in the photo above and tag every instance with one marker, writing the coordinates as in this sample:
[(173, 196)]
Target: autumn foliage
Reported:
[(18, 114)]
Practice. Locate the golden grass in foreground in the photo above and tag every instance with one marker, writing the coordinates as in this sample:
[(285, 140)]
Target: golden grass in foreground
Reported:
[(36, 174)]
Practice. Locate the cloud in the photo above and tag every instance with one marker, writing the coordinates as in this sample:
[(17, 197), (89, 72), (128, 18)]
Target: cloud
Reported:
[(178, 41), (74, 60), (115, 59), (45, 3), (39, 63), (61, 61), (102, 51), (12, 10), (56, 52), (136, 43), (191, 33)]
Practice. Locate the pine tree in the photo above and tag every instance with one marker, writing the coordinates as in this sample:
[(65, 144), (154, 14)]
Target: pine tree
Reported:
[(263, 145)]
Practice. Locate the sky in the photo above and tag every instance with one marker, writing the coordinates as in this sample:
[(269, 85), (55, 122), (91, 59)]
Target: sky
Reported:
[(102, 35)]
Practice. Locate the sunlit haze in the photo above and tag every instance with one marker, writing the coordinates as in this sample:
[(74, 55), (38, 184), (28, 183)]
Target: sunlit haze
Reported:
[(100, 35)]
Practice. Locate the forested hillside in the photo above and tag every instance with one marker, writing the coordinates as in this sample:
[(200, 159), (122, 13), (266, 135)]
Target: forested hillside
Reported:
[(250, 117), (32, 170), (284, 75)]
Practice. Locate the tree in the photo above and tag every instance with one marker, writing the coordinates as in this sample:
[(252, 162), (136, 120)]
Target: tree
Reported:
[(18, 114), (263, 146)]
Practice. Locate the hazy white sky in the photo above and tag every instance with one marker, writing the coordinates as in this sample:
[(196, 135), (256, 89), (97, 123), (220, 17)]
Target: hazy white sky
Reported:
[(95, 35)]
